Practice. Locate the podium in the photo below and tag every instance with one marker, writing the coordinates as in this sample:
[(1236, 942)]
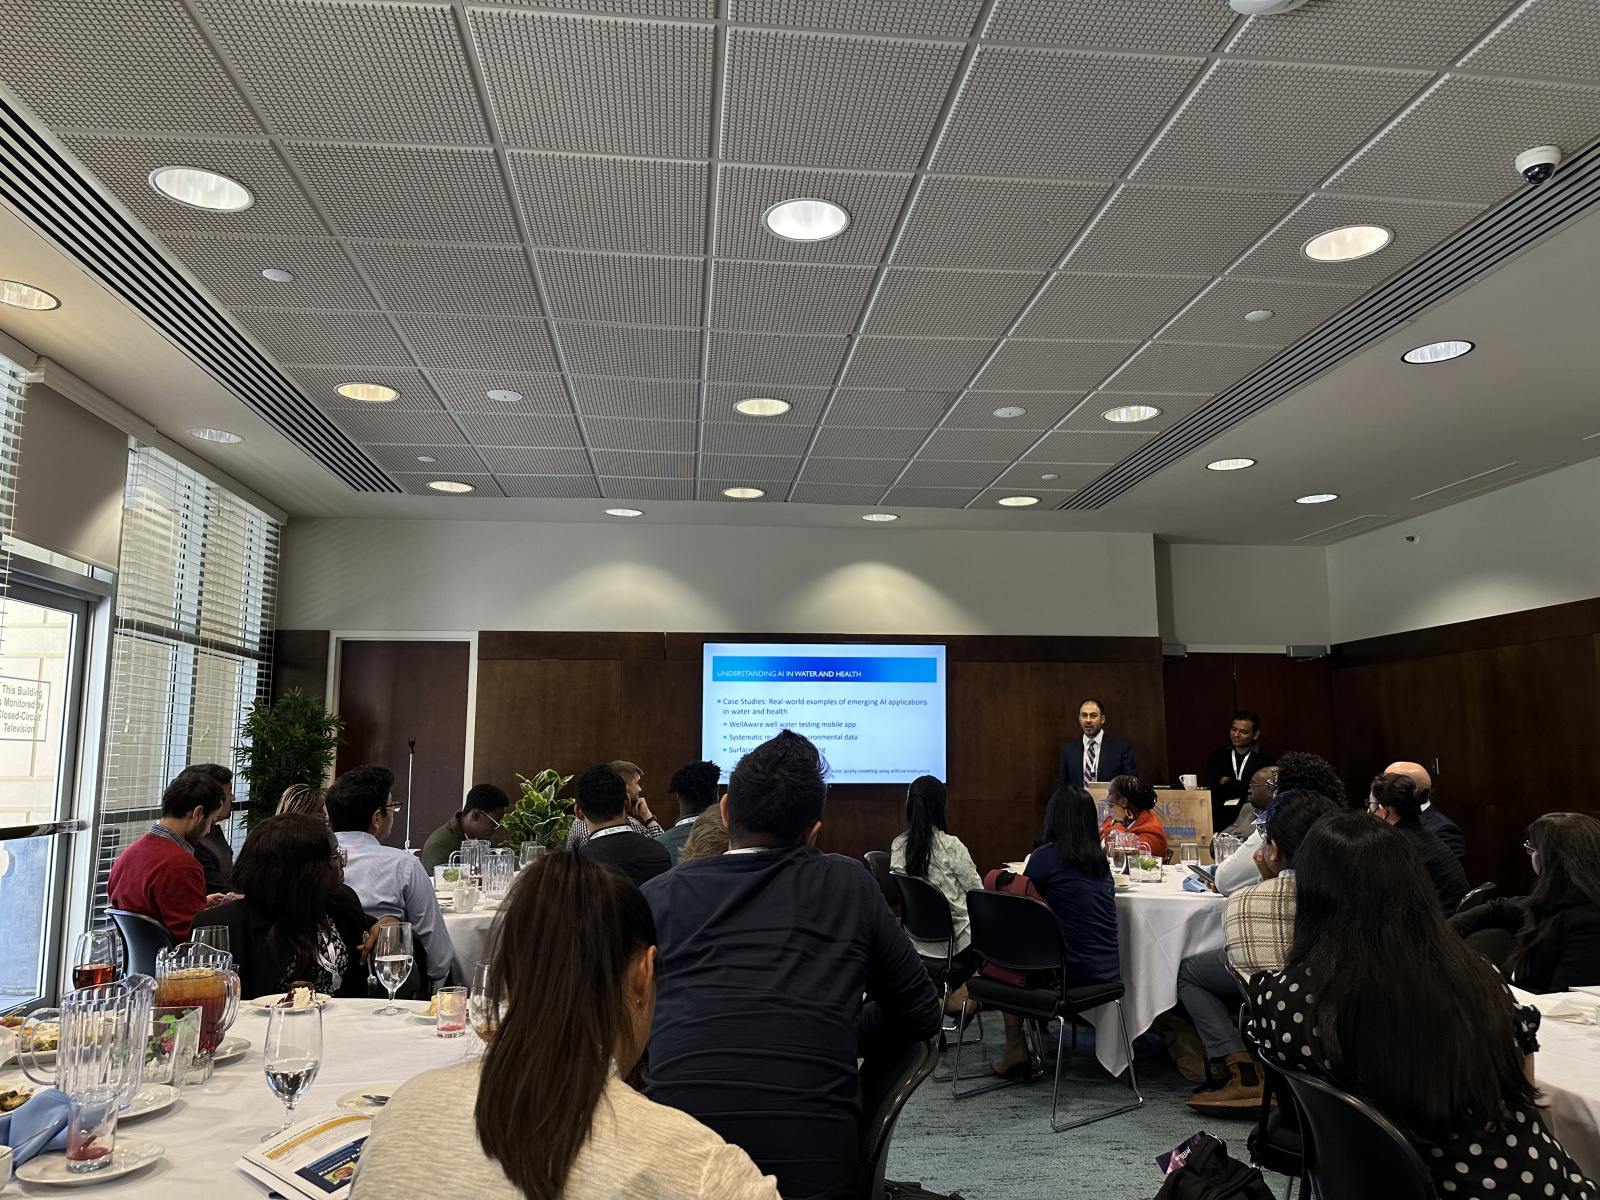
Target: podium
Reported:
[(1185, 814)]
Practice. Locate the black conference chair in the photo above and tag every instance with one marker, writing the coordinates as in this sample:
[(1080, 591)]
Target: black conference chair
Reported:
[(1023, 934), (1352, 1150), (144, 937), (926, 917), (1277, 1143), (882, 1099), (1478, 895), (878, 863)]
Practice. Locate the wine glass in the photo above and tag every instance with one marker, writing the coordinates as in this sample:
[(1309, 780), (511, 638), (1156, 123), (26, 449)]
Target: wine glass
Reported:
[(391, 959), (293, 1055), (485, 1020), (215, 936), (98, 958)]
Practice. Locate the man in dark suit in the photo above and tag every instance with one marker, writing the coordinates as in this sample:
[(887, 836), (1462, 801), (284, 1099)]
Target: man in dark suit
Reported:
[(1446, 830), (602, 801), (1230, 768), (1096, 757)]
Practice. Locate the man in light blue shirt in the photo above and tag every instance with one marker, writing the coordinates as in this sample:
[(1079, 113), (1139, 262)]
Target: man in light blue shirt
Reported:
[(389, 881)]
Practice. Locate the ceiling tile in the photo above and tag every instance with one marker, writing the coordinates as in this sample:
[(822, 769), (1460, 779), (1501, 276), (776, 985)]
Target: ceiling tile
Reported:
[(603, 86), (231, 268), (922, 18), (624, 289), (645, 464), (521, 429), (1160, 229), (1174, 407), (448, 195), (628, 350), (615, 433), (621, 488), (888, 408), (352, 72), (851, 442), (1053, 366), (873, 202), (1416, 227), (913, 497), (325, 338), (1273, 125), (1296, 308), (813, 100), (973, 445), (1059, 113), (830, 493), (772, 360), (915, 363), (1029, 477), (805, 403), (375, 423), (1172, 367), (1169, 26), (1044, 409), (1048, 499), (959, 303), (541, 460), (625, 205), (924, 473), (1072, 447), (1427, 33), (858, 472), (649, 399), (995, 223), (1460, 142), (468, 391), (1553, 37), (751, 437), (118, 66), (761, 470), (417, 485), (477, 280), (480, 343), (446, 458), (320, 384), (788, 297), (550, 487), (1107, 306), (123, 166)]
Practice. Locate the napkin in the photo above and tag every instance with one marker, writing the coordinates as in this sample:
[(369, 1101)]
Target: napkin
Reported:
[(39, 1125), (1565, 1006), (1192, 884)]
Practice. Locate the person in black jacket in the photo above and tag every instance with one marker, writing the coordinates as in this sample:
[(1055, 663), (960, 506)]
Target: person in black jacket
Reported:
[(1548, 941), (1395, 799), (602, 803), (1449, 832), (1230, 768)]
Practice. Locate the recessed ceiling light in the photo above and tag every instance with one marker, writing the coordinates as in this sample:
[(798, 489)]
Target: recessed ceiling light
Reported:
[(426, 458), (1437, 352), (1318, 498), (624, 512), (743, 493), (880, 516), (372, 393), (454, 487), (1257, 315), (807, 220), (1009, 411), (1347, 242), (1131, 414), (505, 397), (220, 436), (1230, 464), (278, 275), (762, 406), (199, 188), (22, 295), (1017, 501), (1052, 475)]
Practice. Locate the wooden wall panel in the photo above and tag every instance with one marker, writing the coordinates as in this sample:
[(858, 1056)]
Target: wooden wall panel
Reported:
[(1199, 696), (1293, 699), (533, 714)]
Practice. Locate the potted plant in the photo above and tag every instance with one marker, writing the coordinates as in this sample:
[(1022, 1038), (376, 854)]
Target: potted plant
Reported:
[(292, 741), (539, 817)]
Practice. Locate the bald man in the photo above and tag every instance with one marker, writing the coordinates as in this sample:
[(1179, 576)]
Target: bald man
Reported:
[(1446, 830)]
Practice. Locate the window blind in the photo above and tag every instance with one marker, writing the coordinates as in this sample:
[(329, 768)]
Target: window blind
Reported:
[(13, 380), (191, 650)]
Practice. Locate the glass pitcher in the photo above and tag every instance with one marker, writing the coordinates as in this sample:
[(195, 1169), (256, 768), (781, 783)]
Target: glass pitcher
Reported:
[(499, 869), (195, 976), (469, 859)]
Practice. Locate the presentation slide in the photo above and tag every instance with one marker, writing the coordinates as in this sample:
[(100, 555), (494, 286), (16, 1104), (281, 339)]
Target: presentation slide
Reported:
[(875, 712)]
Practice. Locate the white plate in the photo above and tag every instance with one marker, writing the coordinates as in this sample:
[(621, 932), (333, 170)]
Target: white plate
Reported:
[(264, 1003), (357, 1101), (151, 1098), (129, 1155), (230, 1049)]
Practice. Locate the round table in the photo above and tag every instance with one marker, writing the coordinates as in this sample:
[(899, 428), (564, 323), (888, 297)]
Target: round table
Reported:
[(1567, 1070), (469, 932)]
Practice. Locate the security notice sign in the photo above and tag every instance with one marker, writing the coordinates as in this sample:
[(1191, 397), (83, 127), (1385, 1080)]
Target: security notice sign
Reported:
[(24, 704)]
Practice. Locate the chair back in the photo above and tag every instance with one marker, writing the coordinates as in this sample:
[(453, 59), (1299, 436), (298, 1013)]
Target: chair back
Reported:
[(1352, 1151), (924, 911), (882, 1098), (1014, 931), (878, 863), (1478, 895), (145, 937)]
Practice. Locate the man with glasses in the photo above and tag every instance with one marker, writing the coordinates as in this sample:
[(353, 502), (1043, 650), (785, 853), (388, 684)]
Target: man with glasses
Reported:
[(481, 819)]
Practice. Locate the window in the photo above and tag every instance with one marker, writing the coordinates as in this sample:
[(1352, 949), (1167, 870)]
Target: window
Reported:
[(197, 580)]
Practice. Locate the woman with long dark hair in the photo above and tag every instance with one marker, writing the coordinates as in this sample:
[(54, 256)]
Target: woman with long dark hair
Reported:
[(1549, 939), (1381, 996), (1132, 805), (545, 1113), (927, 850), (298, 921)]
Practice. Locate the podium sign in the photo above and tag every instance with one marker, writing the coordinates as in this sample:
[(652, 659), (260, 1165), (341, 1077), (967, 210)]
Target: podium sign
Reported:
[(1185, 815)]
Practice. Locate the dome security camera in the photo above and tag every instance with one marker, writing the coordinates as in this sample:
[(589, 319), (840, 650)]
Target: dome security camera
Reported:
[(1538, 164)]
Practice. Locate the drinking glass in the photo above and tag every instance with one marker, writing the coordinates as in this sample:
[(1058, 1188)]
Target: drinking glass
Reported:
[(190, 976), (451, 1021), (485, 1018), (391, 958), (91, 1129), (1222, 846), (98, 958), (1189, 854), (1117, 853), (293, 1055), (215, 936)]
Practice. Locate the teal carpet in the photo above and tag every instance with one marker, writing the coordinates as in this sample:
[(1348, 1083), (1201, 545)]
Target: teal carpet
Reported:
[(999, 1146)]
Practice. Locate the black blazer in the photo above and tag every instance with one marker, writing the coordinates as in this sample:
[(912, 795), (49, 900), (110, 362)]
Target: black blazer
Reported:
[(1568, 957), (1446, 830), (1219, 764), (1116, 758), (1444, 868)]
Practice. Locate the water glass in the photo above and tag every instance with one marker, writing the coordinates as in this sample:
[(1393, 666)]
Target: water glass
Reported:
[(483, 1013), (98, 958), (293, 1055), (451, 1004), (1189, 854), (392, 961), (215, 936), (91, 1129), (531, 852)]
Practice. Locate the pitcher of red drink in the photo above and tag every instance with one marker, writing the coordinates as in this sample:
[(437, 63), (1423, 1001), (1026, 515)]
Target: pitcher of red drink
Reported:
[(194, 976)]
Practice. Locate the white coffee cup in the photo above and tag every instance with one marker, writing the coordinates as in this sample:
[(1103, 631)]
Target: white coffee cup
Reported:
[(466, 899), (5, 1167), (1190, 782)]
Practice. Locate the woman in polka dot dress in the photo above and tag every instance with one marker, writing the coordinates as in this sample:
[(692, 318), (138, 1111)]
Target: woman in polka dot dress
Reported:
[(1382, 997)]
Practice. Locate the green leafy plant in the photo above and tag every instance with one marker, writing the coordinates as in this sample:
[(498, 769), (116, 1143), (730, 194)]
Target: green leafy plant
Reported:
[(539, 816), (292, 741)]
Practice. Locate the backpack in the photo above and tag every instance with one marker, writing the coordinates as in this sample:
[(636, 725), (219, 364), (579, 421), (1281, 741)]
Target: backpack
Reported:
[(1211, 1175)]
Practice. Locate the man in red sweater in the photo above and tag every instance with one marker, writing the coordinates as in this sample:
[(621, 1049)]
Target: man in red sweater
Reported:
[(158, 875)]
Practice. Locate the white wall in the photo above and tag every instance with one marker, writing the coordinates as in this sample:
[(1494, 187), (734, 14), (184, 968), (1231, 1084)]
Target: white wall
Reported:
[(1242, 599), (1525, 546), (466, 575)]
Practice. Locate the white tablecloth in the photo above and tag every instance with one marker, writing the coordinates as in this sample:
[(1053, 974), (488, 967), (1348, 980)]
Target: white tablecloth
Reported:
[(1567, 1070), (1158, 926), (468, 934), (214, 1123)]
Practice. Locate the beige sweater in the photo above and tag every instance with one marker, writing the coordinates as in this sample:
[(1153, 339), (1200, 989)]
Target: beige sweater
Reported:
[(425, 1140)]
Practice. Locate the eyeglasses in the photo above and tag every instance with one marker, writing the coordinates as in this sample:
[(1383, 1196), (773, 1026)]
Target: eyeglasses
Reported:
[(492, 821), (1259, 824), (1530, 848), (395, 805), (340, 856)]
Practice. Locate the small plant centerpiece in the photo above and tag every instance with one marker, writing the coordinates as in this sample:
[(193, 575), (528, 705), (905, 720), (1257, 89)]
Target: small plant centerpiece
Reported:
[(539, 816), (292, 741)]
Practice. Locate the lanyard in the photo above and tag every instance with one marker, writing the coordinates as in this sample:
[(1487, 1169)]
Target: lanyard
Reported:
[(1239, 763)]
